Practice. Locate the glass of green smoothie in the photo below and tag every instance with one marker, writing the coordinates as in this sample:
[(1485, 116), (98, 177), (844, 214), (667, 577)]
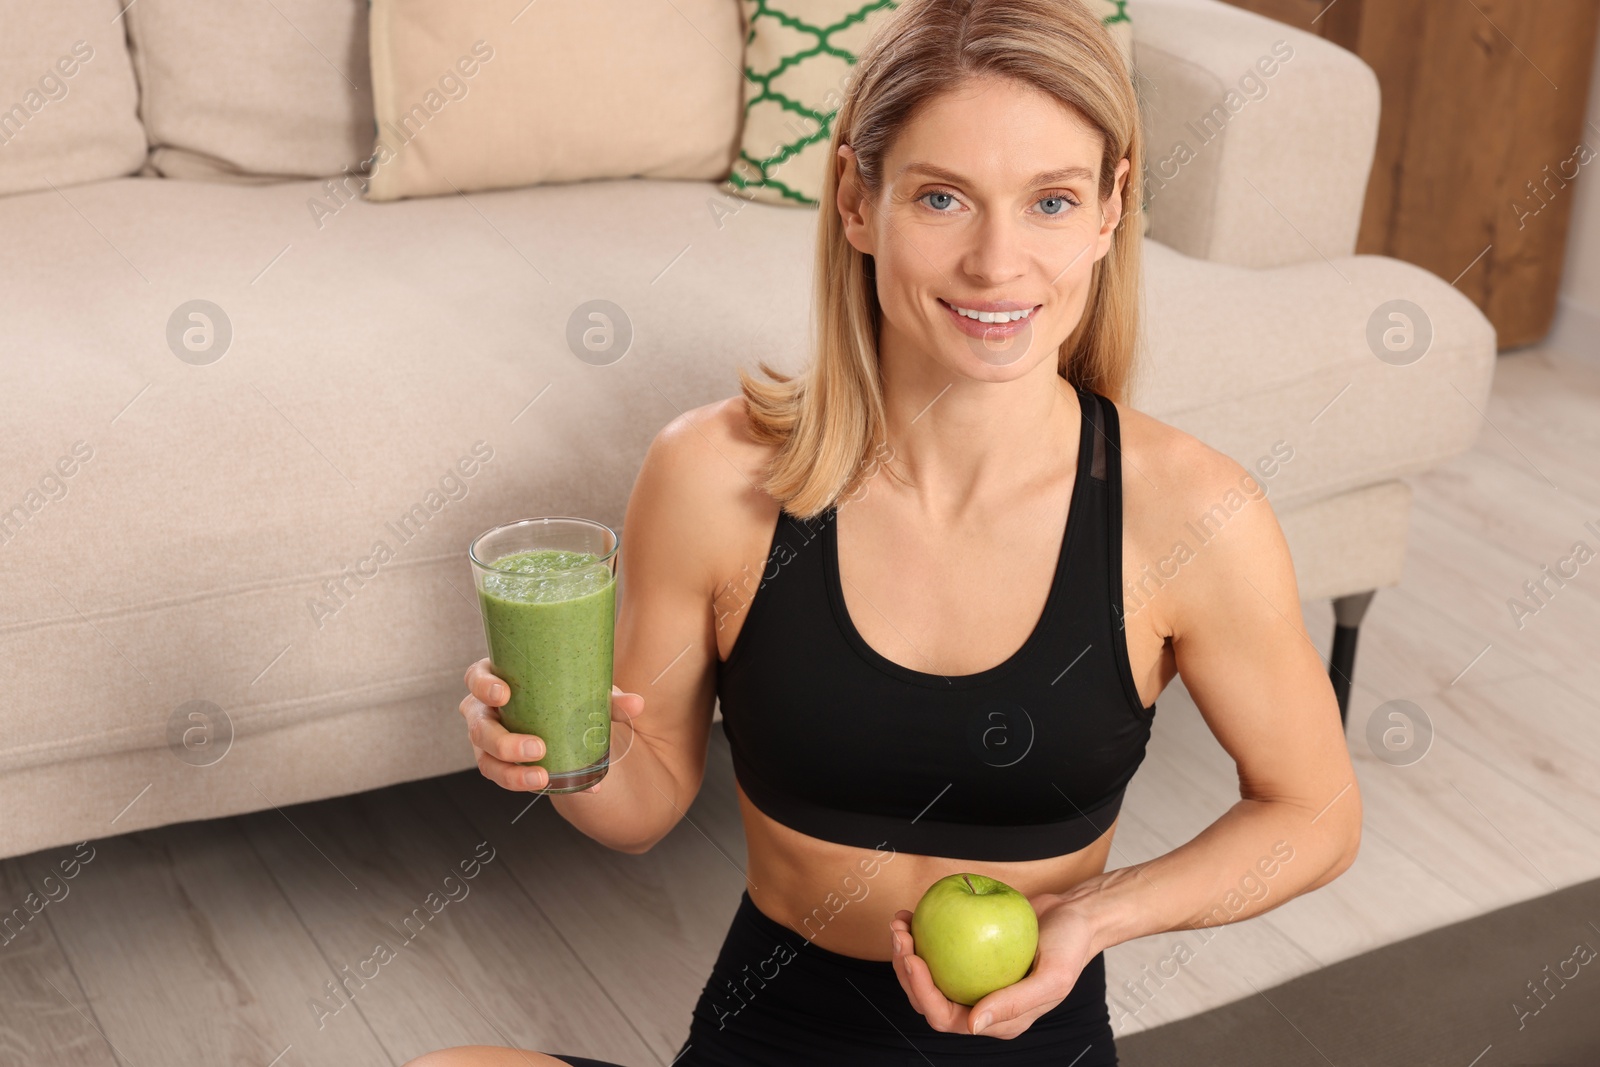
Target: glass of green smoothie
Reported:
[(547, 588)]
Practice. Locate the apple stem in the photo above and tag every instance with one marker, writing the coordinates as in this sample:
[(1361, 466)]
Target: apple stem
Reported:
[(967, 880)]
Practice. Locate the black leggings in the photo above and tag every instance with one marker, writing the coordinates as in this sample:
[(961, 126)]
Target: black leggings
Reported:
[(775, 999)]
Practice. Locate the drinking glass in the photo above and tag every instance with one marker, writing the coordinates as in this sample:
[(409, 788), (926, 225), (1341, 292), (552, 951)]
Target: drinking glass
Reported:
[(547, 590)]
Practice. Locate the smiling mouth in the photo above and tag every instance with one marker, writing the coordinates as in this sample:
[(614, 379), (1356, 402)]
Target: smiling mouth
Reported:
[(991, 317)]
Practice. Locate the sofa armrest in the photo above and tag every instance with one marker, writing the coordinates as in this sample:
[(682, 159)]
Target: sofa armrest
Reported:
[(1259, 137)]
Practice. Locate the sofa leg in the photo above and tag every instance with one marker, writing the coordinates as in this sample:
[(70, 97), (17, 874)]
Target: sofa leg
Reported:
[(1347, 614)]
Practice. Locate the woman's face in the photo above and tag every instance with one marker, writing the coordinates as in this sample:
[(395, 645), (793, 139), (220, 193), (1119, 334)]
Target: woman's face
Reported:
[(989, 204)]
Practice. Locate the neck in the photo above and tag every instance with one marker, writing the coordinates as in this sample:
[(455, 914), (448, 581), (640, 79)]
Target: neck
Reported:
[(959, 442)]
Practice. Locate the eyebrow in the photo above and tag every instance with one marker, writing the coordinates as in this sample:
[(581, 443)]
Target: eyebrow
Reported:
[(1065, 174)]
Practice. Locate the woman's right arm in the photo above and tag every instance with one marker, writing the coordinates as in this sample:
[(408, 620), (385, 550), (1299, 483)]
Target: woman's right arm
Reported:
[(665, 651)]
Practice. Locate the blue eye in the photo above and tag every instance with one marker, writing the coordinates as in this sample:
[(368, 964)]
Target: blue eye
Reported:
[(1064, 203)]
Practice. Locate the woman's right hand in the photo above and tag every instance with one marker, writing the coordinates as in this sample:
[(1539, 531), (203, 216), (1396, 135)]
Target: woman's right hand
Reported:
[(498, 750)]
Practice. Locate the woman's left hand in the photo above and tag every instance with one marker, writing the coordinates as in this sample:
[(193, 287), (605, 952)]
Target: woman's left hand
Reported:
[(1066, 936)]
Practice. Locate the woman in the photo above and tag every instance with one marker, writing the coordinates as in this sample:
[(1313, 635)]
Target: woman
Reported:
[(904, 574)]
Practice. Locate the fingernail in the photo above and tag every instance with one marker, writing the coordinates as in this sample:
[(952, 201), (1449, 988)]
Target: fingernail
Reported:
[(531, 778), (983, 1020), (497, 692), (533, 748)]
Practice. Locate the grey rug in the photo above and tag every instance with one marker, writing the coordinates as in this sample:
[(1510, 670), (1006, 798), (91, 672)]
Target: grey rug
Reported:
[(1518, 987)]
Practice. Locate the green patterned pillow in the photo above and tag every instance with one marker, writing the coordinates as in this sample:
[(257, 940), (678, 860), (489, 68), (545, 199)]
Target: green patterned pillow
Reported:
[(797, 55)]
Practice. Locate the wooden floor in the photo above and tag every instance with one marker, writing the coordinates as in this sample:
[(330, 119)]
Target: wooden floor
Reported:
[(368, 929)]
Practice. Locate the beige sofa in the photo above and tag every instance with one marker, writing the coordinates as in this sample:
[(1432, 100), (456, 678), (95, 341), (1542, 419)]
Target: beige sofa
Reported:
[(198, 619)]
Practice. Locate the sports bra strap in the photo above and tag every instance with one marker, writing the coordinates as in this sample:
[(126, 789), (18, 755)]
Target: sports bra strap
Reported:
[(1097, 463)]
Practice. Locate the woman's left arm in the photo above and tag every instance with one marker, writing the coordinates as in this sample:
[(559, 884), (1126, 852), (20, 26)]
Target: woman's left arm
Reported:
[(1241, 648), (1233, 614)]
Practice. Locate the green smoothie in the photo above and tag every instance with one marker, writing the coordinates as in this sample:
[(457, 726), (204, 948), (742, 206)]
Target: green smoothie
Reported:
[(550, 627)]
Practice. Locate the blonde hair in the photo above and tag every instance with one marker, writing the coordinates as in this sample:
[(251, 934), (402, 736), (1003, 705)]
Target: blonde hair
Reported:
[(828, 420)]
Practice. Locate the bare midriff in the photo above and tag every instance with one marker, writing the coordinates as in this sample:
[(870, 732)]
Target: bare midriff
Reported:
[(841, 897)]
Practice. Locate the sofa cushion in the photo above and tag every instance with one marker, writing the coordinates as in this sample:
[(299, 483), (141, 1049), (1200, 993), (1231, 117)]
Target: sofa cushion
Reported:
[(231, 508), (508, 93), (246, 91), (68, 101)]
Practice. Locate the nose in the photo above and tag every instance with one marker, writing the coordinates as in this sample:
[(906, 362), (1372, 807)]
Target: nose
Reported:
[(998, 253)]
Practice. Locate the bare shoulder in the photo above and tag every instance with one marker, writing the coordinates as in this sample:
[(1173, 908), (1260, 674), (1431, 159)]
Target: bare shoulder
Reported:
[(701, 480), (1162, 459), (1187, 505), (712, 447)]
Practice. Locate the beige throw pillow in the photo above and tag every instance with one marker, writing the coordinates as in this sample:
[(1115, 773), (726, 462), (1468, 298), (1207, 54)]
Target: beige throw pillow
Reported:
[(68, 101), (500, 93), (251, 91)]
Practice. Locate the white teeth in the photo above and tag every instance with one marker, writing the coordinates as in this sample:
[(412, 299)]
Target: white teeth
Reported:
[(992, 316)]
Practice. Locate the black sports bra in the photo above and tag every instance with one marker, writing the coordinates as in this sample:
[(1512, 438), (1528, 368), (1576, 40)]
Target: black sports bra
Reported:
[(1021, 761)]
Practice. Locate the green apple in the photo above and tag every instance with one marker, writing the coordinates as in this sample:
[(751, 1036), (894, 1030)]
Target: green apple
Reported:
[(976, 934)]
